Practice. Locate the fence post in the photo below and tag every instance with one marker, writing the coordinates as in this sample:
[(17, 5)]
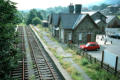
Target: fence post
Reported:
[(90, 59), (87, 56), (102, 59), (111, 42), (95, 60), (83, 53), (108, 67), (105, 42), (116, 65)]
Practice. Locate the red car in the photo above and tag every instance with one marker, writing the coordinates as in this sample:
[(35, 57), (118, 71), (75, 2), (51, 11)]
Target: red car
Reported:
[(90, 46)]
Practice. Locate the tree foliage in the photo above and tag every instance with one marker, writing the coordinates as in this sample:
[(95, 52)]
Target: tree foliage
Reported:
[(7, 37), (42, 14), (39, 15), (36, 21), (32, 14), (7, 7), (100, 7)]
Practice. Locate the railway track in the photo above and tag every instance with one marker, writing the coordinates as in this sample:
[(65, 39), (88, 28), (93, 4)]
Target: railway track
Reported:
[(21, 72), (43, 68)]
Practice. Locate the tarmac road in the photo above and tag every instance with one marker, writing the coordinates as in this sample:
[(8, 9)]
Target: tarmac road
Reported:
[(98, 54)]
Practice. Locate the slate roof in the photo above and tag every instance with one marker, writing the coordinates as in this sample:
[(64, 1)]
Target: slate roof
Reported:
[(79, 19), (91, 13), (70, 21), (109, 18), (55, 19)]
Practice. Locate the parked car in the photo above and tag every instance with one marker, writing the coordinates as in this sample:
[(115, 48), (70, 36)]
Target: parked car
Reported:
[(117, 35), (90, 46)]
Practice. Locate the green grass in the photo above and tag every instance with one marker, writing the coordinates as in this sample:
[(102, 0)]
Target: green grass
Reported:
[(70, 69), (42, 28), (66, 65), (22, 24), (93, 70), (119, 16)]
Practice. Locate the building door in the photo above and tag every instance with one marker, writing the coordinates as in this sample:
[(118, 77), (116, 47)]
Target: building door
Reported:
[(69, 36), (88, 37), (103, 29), (62, 35)]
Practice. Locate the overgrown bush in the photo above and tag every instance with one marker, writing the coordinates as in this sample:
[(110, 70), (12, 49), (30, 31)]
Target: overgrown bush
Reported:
[(103, 75), (84, 61), (36, 21), (33, 14), (94, 66), (8, 53), (79, 51)]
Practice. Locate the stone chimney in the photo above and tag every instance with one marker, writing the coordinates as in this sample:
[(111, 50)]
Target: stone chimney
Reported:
[(71, 8), (78, 8)]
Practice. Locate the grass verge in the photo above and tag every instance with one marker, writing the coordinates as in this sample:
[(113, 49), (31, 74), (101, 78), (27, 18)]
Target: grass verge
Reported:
[(66, 65), (93, 70)]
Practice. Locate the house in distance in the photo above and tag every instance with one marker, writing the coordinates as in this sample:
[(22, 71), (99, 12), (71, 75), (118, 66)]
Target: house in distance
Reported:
[(45, 23), (113, 25), (99, 19), (73, 26)]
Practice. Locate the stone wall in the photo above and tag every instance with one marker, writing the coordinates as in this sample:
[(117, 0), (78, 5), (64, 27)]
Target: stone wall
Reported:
[(86, 27), (102, 26), (66, 33), (98, 16), (115, 23)]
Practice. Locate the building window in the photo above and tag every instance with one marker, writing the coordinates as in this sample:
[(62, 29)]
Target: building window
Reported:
[(62, 33), (70, 36), (80, 36)]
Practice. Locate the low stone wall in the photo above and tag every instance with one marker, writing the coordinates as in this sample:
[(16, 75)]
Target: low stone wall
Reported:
[(60, 70)]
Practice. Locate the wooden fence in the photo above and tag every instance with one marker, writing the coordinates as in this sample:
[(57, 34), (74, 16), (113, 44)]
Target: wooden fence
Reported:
[(91, 59), (100, 62)]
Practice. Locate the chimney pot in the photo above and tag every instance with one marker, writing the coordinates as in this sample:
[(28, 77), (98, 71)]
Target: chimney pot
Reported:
[(78, 8)]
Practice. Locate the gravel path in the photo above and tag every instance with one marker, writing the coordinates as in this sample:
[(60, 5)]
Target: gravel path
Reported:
[(67, 56)]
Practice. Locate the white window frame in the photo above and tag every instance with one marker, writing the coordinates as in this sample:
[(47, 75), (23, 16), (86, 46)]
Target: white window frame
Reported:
[(69, 36), (80, 36), (62, 33)]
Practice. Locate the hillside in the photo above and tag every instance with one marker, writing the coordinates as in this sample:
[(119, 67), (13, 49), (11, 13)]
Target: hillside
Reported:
[(112, 1)]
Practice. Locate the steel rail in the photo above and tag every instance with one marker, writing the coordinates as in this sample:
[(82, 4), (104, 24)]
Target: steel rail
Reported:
[(32, 53), (54, 77), (45, 59), (23, 63)]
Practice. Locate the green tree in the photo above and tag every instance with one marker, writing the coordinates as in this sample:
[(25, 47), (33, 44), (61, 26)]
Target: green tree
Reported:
[(24, 15), (39, 15), (32, 14), (19, 18), (7, 38), (44, 14), (95, 7), (36, 21), (103, 6), (100, 7)]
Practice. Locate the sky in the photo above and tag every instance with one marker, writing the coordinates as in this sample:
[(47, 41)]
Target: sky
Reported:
[(44, 4)]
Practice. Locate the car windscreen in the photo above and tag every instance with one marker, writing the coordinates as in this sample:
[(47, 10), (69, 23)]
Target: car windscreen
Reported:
[(87, 44)]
